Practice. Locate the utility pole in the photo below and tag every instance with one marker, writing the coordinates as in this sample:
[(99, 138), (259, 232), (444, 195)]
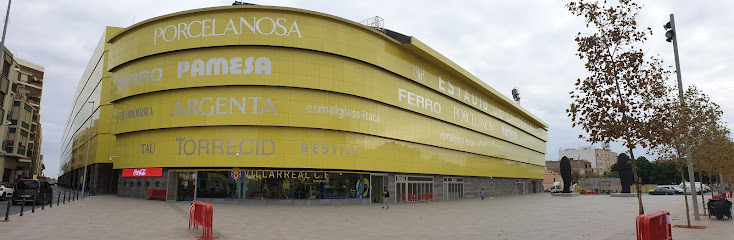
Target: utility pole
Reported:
[(673, 35)]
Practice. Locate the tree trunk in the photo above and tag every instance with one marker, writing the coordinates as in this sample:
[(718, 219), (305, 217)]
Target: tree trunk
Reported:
[(703, 201), (685, 195), (641, 209), (712, 190)]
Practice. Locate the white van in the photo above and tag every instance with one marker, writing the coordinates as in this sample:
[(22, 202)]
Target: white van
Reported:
[(688, 187), (558, 187)]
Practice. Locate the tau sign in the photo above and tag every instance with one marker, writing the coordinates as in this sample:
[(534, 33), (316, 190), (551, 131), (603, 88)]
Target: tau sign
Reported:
[(142, 172)]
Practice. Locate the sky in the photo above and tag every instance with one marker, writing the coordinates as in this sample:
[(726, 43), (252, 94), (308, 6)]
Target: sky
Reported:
[(522, 43)]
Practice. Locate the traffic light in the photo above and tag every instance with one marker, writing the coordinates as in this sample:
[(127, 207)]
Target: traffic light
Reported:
[(670, 33)]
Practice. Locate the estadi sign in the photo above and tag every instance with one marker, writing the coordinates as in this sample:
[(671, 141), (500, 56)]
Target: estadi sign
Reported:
[(142, 172)]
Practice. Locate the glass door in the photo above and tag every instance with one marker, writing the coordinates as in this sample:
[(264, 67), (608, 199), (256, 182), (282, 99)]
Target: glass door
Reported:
[(186, 186), (377, 186)]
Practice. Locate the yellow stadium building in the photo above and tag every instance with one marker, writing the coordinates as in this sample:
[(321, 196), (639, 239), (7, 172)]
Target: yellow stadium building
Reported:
[(267, 104)]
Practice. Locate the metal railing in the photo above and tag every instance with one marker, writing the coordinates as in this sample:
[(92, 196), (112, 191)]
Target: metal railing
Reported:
[(68, 195)]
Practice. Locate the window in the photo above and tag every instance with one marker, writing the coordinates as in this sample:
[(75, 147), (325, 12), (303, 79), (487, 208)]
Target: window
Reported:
[(6, 66), (157, 184), (453, 188), (413, 188), (249, 184)]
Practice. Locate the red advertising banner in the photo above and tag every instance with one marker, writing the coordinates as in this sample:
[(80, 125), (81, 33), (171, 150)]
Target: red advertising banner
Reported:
[(142, 172)]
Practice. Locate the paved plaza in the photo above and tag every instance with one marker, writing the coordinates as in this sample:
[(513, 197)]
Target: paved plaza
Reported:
[(537, 216)]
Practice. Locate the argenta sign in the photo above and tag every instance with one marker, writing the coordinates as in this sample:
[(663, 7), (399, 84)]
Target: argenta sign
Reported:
[(208, 28)]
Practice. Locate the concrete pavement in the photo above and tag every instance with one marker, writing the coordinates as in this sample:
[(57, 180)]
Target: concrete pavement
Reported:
[(537, 216)]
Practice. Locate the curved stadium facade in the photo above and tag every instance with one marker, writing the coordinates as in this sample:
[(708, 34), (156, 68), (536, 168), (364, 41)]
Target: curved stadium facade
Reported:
[(273, 103)]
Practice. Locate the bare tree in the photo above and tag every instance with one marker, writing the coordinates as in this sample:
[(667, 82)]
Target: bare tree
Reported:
[(617, 100)]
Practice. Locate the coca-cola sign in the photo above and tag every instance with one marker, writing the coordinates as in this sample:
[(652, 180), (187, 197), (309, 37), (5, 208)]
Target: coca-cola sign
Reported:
[(142, 172)]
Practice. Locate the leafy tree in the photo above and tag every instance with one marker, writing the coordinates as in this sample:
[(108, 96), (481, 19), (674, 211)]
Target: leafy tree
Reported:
[(575, 176), (615, 101), (664, 173), (591, 175), (614, 168), (644, 169), (677, 126), (709, 149), (611, 174)]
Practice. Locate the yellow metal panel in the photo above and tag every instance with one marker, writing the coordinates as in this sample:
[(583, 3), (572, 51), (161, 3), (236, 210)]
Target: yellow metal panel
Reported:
[(306, 148), (373, 84), (306, 30), (254, 106)]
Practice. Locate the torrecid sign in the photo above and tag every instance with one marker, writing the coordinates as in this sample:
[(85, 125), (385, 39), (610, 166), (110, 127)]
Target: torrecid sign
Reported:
[(142, 172)]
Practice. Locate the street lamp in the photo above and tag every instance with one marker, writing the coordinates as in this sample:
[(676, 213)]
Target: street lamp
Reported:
[(89, 138), (672, 35)]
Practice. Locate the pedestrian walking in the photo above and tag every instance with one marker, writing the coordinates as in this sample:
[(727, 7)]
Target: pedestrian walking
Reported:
[(482, 194), (385, 198)]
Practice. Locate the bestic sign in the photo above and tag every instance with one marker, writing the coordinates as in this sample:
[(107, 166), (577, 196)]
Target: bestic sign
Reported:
[(142, 172)]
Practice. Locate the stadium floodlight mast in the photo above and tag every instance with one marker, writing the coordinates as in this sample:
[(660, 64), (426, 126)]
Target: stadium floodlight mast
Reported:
[(89, 138), (5, 28), (671, 35)]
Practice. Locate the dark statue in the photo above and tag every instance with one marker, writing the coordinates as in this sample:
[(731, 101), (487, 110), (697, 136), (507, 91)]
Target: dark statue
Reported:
[(566, 174), (625, 172)]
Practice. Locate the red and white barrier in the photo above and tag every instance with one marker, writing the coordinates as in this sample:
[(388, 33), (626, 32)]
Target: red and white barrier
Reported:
[(654, 226), (202, 214)]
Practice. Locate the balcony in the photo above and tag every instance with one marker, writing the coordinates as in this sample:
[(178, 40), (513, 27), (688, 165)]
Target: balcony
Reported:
[(36, 83), (34, 102), (32, 83)]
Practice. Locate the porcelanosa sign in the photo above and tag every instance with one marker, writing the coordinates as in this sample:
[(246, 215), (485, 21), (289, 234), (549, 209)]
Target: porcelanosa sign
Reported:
[(208, 28)]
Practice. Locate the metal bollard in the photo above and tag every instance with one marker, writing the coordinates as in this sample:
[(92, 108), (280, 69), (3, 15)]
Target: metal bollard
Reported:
[(43, 201), (64, 197), (33, 208), (7, 211), (22, 207), (51, 202), (58, 199)]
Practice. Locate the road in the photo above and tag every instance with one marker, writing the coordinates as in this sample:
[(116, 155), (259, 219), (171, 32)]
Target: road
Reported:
[(15, 209)]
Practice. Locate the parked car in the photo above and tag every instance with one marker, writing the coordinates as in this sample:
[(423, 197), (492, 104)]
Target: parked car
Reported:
[(6, 191), (32, 189), (662, 191)]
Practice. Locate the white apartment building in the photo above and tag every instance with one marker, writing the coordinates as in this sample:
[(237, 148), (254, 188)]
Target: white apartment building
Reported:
[(601, 159)]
